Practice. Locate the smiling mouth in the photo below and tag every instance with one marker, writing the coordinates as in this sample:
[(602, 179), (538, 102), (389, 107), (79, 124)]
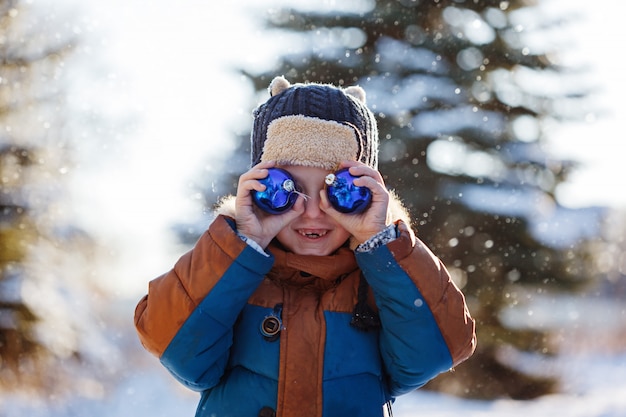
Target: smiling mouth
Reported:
[(312, 234)]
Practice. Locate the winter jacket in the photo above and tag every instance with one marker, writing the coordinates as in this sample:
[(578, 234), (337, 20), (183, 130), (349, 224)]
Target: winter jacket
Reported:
[(204, 320)]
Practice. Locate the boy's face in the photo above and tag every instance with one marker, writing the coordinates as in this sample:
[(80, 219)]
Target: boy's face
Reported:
[(313, 232)]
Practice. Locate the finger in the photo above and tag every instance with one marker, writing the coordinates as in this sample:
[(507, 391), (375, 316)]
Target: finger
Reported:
[(245, 188), (366, 171), (272, 224), (325, 205), (265, 164), (298, 207), (349, 163), (249, 180), (328, 208), (259, 171), (374, 185)]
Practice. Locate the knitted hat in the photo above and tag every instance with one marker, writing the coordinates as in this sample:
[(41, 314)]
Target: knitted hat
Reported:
[(313, 124)]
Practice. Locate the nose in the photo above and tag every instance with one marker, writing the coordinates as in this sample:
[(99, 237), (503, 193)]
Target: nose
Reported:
[(312, 206)]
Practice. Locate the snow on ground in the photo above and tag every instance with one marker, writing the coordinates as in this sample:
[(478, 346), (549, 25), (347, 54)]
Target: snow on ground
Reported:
[(596, 389)]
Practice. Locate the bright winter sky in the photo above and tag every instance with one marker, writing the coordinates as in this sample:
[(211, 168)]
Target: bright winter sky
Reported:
[(163, 74)]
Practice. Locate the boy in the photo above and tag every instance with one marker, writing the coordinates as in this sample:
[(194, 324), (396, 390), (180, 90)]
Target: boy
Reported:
[(312, 311)]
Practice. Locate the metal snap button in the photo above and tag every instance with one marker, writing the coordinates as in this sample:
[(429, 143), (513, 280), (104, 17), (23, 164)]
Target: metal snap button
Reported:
[(272, 325)]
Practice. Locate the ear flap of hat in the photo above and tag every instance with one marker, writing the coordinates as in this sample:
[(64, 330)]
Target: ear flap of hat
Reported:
[(278, 85)]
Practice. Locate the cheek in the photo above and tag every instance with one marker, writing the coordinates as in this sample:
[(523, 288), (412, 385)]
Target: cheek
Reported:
[(283, 236), (339, 239), (340, 235)]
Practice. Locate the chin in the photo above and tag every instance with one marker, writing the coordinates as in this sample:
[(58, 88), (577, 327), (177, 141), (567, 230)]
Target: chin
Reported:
[(313, 248), (311, 251)]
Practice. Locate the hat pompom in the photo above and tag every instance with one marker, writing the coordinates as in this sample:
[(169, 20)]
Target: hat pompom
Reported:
[(278, 85), (355, 91)]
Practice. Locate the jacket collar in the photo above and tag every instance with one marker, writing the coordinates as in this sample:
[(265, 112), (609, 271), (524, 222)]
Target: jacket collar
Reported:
[(328, 268)]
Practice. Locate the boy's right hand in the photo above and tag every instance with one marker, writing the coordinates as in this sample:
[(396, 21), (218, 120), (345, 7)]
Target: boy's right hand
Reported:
[(253, 222)]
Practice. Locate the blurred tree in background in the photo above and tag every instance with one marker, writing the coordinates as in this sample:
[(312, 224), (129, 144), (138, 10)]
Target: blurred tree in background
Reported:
[(463, 91), (45, 300)]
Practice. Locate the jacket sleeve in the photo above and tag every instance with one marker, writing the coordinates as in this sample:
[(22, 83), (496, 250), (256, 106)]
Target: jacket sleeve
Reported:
[(426, 326), (187, 317)]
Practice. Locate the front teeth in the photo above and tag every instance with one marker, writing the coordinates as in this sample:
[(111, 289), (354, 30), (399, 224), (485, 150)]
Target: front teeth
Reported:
[(313, 235)]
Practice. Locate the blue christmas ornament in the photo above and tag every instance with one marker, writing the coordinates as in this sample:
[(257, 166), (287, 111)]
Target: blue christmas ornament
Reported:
[(344, 195), (280, 193)]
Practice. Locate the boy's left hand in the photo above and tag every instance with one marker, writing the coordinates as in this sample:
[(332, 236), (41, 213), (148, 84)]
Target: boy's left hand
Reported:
[(373, 220)]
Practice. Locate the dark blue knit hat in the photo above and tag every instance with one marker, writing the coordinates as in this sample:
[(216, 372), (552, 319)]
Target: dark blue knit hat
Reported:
[(314, 125)]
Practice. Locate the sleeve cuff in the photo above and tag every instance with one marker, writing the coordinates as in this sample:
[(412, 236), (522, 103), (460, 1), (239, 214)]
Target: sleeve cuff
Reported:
[(253, 244), (381, 238)]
